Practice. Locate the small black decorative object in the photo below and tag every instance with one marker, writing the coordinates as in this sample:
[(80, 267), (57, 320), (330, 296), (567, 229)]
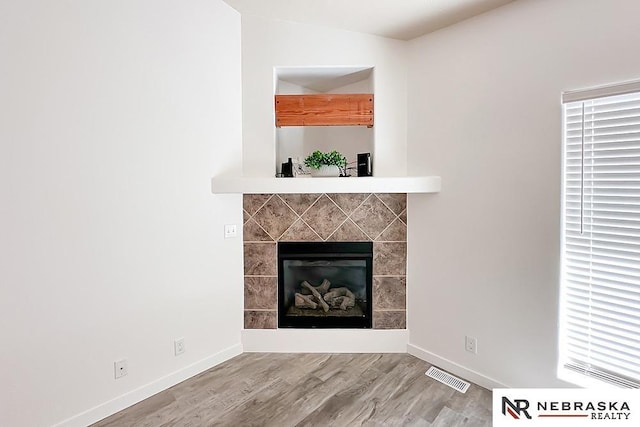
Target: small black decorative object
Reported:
[(364, 164), (287, 169)]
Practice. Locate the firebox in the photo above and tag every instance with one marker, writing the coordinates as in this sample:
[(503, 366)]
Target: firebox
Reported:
[(325, 284)]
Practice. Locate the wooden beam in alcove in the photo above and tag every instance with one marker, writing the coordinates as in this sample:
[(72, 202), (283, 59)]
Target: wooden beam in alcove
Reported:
[(344, 109)]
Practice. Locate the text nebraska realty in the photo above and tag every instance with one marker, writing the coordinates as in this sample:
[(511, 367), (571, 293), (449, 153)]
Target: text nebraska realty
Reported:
[(598, 410)]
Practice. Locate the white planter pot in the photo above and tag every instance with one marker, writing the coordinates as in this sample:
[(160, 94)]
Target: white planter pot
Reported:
[(326, 171)]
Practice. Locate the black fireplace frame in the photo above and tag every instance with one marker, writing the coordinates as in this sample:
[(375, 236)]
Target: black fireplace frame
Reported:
[(317, 251)]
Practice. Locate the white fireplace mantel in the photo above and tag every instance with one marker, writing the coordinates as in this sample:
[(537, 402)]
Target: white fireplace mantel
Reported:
[(405, 184)]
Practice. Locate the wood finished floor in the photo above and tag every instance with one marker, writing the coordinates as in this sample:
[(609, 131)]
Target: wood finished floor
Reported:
[(269, 389)]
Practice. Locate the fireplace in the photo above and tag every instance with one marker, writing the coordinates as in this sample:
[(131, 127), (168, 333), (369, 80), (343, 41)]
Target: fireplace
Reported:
[(269, 219), (325, 284)]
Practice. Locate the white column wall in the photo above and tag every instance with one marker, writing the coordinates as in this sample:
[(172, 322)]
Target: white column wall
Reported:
[(114, 115), (270, 43)]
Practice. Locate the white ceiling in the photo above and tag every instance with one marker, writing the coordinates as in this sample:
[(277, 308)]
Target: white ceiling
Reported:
[(398, 19)]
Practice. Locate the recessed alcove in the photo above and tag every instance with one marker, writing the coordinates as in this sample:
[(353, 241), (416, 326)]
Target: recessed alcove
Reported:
[(297, 142)]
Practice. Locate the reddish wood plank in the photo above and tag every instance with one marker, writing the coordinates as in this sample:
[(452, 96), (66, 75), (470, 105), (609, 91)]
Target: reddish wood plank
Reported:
[(352, 109)]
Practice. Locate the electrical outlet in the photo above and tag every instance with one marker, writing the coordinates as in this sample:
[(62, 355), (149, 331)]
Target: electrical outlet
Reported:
[(230, 231), (120, 368), (471, 345), (178, 346)]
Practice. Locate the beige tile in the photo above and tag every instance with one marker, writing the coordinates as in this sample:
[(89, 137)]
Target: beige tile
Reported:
[(299, 232), (252, 202), (403, 216), (275, 217), (260, 293), (372, 217), (299, 202), (260, 259), (348, 202), (390, 319), (390, 258), (397, 202), (245, 216), (252, 232), (348, 232), (324, 217), (260, 319), (389, 293), (396, 232)]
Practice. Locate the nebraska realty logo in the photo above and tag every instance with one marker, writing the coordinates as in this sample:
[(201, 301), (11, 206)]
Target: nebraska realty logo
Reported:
[(566, 407)]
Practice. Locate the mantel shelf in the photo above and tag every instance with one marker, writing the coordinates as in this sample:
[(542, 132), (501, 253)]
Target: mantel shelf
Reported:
[(404, 184)]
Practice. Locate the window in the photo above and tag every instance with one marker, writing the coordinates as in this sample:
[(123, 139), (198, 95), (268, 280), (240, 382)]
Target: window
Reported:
[(600, 280)]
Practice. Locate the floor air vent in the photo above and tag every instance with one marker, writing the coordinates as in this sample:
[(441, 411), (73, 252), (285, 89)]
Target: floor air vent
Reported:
[(447, 379)]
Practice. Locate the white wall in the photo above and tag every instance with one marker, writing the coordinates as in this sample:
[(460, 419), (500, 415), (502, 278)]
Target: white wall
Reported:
[(114, 115), (268, 43), (485, 114)]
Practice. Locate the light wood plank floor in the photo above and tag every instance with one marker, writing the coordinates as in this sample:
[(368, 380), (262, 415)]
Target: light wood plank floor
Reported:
[(268, 389)]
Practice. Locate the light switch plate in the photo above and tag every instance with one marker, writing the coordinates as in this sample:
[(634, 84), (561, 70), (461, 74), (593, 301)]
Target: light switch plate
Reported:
[(230, 231)]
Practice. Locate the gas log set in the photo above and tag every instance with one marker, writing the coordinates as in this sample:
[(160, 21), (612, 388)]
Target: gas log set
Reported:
[(323, 297)]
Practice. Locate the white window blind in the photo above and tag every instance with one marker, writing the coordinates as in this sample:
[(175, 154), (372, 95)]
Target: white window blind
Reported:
[(600, 304)]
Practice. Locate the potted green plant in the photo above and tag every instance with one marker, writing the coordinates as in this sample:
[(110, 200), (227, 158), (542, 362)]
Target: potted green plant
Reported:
[(326, 164)]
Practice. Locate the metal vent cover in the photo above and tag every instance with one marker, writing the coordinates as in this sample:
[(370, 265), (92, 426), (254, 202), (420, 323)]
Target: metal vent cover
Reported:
[(448, 379)]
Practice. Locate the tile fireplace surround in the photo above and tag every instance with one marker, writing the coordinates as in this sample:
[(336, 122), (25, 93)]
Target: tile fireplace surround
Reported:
[(377, 217)]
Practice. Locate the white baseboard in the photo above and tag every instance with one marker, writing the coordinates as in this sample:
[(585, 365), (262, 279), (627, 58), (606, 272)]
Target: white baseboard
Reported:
[(124, 401), (325, 340), (454, 368)]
